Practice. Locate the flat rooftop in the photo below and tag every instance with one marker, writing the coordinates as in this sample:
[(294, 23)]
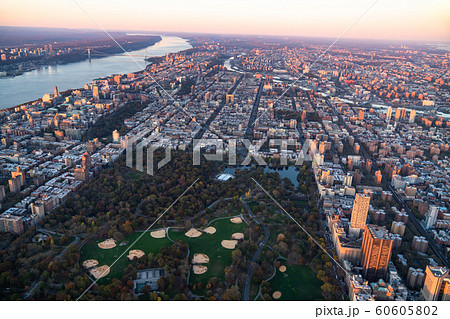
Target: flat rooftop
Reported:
[(379, 232), (438, 271)]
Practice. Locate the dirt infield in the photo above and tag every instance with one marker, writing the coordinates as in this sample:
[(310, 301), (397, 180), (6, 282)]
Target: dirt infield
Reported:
[(236, 220), (135, 253), (199, 269), (209, 230), (200, 259), (107, 244), (237, 236), (192, 233), (158, 233), (90, 263), (229, 244), (276, 295), (100, 272), (282, 268)]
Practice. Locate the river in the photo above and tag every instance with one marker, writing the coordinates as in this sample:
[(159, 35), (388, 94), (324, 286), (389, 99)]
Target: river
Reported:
[(34, 84)]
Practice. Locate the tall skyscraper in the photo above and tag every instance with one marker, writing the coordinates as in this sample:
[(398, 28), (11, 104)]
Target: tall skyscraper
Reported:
[(376, 252), (433, 286), (388, 113), (359, 212)]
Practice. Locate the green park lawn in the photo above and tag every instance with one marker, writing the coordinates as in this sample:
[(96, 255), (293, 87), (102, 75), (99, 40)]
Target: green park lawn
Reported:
[(297, 283), (146, 243), (210, 245)]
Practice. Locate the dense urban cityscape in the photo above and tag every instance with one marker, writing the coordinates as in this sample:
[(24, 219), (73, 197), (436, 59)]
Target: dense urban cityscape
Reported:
[(242, 151), (374, 195)]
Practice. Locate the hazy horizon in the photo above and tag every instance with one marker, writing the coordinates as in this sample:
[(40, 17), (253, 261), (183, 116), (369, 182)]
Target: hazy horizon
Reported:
[(404, 20), (182, 33)]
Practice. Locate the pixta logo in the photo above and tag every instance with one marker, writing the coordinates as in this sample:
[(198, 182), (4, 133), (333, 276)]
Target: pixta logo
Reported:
[(203, 147), (138, 149)]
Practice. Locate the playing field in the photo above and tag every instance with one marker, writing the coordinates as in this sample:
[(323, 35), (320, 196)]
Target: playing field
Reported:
[(297, 283), (210, 244), (107, 256)]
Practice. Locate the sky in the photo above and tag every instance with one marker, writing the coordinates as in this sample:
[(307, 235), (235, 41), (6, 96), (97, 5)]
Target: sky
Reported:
[(419, 20)]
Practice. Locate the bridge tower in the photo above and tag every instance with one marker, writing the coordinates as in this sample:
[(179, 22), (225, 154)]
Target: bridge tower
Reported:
[(89, 54)]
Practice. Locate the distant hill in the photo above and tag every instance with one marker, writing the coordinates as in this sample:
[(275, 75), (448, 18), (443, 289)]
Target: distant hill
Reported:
[(18, 36)]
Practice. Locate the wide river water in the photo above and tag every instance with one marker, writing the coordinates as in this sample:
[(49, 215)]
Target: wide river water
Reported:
[(34, 84)]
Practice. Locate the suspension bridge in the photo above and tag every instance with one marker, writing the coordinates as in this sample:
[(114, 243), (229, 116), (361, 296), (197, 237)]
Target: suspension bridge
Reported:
[(91, 53)]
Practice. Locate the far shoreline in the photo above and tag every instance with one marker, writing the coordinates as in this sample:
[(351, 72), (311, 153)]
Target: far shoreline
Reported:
[(70, 90), (151, 42)]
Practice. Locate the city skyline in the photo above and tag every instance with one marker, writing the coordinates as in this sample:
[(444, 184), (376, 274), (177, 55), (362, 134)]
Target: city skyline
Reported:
[(402, 20)]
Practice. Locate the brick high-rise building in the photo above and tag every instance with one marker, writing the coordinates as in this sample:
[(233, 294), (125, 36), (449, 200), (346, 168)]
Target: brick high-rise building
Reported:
[(91, 147), (11, 224), (15, 185), (81, 173), (360, 210), (434, 283), (397, 114), (388, 113), (304, 116), (95, 93), (403, 114), (412, 116), (369, 165), (378, 177), (376, 252), (86, 160), (357, 176), (361, 115), (18, 174)]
